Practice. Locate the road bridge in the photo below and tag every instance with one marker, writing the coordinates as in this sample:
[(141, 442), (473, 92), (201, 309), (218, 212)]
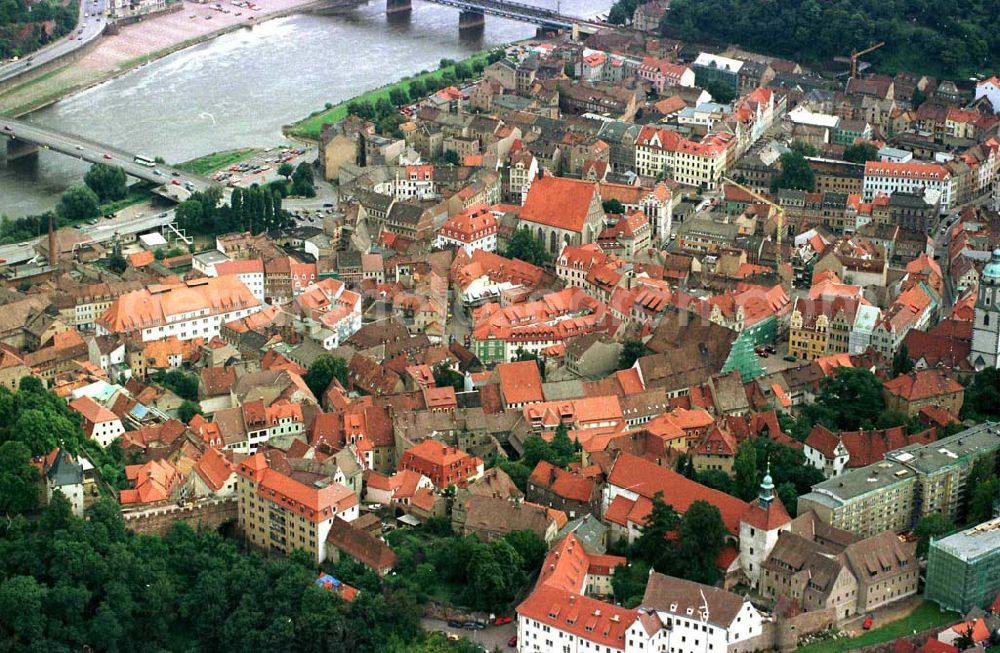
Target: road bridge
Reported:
[(24, 138), (472, 13)]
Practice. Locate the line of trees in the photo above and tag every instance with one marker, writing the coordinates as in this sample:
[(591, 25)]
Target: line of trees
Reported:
[(384, 112), (256, 209), (16, 15)]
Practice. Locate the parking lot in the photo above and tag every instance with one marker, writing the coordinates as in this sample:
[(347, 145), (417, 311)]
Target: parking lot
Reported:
[(492, 638), (263, 166)]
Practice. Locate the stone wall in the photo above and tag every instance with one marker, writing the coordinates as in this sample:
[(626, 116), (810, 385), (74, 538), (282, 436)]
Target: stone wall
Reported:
[(209, 513)]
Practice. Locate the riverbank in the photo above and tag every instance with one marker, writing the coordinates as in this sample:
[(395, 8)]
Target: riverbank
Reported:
[(140, 43), (206, 165), (308, 129)]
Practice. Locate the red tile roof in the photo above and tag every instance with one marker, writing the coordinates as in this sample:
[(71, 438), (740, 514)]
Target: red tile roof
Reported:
[(520, 382), (562, 483), (646, 479), (558, 202), (602, 623), (923, 384)]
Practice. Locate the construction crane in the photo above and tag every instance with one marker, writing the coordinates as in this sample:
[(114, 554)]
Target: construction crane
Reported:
[(855, 55), (779, 213)]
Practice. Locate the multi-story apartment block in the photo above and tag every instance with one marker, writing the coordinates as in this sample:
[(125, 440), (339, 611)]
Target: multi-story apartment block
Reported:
[(911, 482), (277, 513), (887, 178), (692, 163), (249, 271), (963, 569), (444, 465), (193, 309)]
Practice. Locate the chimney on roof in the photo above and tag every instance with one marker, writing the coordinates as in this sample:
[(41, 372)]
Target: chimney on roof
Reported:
[(53, 254)]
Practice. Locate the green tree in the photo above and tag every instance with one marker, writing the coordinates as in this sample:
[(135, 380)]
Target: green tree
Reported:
[(702, 536), (323, 370), (187, 410), (495, 576), (285, 170), (983, 500), (849, 400), (795, 173), (901, 363), (526, 247), (108, 182), (22, 610), (117, 263), (416, 90), (717, 480), (982, 397), (653, 545), (78, 203), (721, 92), (445, 376), (302, 181), (629, 583), (398, 96), (182, 384), (928, 527), (450, 157), (529, 547), (860, 153), (613, 206), (745, 471), (18, 479), (789, 497), (562, 447), (632, 350)]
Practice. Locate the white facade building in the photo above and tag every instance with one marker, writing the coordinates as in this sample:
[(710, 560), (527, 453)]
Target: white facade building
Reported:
[(986, 324), (249, 272), (888, 178), (194, 309)]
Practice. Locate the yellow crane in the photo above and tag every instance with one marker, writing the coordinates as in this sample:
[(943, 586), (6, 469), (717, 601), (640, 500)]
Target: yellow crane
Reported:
[(779, 213), (855, 55)]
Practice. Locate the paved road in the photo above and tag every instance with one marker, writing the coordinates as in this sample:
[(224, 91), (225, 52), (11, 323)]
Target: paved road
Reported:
[(103, 231), (94, 152), (90, 25), (493, 638)]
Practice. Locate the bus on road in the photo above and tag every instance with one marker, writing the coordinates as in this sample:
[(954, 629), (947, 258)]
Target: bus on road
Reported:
[(149, 162)]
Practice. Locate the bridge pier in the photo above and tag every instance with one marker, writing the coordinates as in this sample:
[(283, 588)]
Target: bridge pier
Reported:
[(471, 20), (398, 6), (18, 149)]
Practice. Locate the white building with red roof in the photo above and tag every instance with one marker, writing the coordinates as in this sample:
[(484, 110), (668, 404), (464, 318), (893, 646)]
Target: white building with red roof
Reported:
[(474, 228), (561, 211), (887, 178), (99, 423), (759, 528), (990, 89), (193, 309), (249, 271)]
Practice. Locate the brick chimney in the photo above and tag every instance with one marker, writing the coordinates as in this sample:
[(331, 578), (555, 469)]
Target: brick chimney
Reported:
[(53, 252)]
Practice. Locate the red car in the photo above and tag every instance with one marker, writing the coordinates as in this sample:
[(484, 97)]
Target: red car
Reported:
[(500, 621), (107, 156), (175, 182), (512, 642), (867, 625)]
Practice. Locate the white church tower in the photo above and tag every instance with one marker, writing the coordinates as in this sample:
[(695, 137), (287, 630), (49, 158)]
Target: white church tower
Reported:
[(759, 528), (986, 327)]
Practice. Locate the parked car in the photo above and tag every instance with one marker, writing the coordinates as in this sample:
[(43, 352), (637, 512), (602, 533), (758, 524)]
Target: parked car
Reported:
[(770, 349), (453, 623), (473, 625), (789, 358), (107, 156), (867, 625), (500, 621), (512, 642)]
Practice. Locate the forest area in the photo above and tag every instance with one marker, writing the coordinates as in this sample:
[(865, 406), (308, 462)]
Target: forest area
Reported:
[(937, 37)]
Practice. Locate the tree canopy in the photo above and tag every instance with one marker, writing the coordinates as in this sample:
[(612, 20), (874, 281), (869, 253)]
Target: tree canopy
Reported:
[(323, 370), (860, 152), (108, 182), (795, 173), (951, 39), (78, 203), (525, 246)]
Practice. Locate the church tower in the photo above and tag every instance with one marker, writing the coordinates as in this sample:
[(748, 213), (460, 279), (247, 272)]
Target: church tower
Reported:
[(986, 327), (759, 528)]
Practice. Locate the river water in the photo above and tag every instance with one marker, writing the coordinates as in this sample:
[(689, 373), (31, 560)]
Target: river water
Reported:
[(239, 89)]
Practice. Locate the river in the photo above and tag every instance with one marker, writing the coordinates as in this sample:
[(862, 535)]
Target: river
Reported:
[(240, 88)]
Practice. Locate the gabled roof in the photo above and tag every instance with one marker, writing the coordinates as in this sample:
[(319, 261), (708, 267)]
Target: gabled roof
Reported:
[(922, 384), (558, 202), (646, 479)]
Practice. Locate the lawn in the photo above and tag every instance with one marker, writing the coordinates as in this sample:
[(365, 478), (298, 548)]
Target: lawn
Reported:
[(309, 128), (138, 192), (926, 616), (206, 165)]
